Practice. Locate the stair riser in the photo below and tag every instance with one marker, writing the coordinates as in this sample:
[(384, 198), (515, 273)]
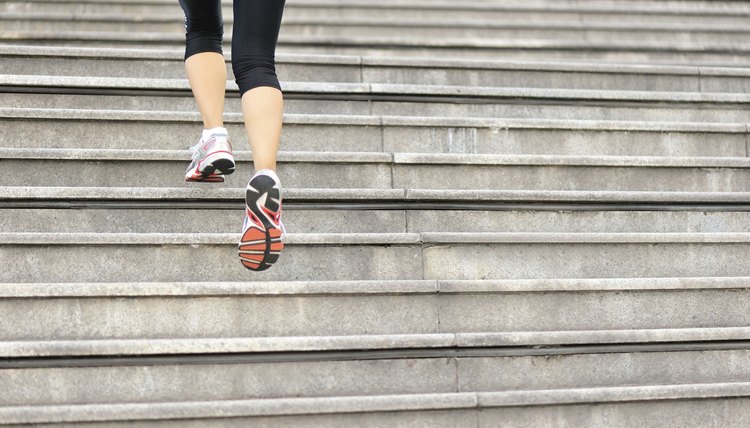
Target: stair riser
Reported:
[(328, 378), (729, 55), (434, 32), (433, 419), (428, 75), (172, 174), (111, 263), (204, 263), (102, 134), (182, 135), (147, 173), (585, 260), (572, 110), (193, 317), (175, 69), (366, 221), (204, 220), (729, 412), (296, 11)]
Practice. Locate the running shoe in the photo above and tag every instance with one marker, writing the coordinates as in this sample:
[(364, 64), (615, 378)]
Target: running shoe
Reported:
[(212, 159), (262, 233)]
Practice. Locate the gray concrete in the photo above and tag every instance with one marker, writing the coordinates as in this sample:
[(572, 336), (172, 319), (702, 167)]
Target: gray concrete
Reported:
[(226, 381), (40, 220), (222, 221), (210, 192), (177, 263), (374, 256), (545, 110), (22, 60), (600, 370), (284, 344), (177, 130), (74, 385), (718, 113), (219, 310), (402, 26), (671, 53), (139, 168), (724, 402), (584, 260), (537, 11)]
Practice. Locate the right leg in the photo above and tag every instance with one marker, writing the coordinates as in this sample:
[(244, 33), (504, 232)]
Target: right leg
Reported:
[(207, 73)]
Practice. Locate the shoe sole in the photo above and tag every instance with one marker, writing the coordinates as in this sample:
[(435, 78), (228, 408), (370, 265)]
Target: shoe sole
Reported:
[(213, 167), (260, 249)]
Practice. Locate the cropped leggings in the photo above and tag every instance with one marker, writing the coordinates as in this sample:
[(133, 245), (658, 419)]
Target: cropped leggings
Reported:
[(254, 37)]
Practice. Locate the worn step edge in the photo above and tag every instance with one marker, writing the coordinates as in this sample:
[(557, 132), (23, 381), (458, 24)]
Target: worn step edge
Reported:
[(399, 22), (367, 404), (358, 288), (10, 193), (385, 158), (424, 238), (39, 114), (177, 55), (124, 83), (195, 346), (697, 8), (734, 48)]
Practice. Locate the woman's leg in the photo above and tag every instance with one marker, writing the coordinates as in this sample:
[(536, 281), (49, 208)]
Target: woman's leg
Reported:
[(204, 61), (254, 37), (256, 30), (207, 73)]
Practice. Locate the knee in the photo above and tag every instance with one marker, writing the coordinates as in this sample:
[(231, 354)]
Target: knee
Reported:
[(203, 35), (252, 70)]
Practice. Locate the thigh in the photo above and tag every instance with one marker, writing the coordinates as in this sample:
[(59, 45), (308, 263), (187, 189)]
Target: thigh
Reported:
[(256, 26)]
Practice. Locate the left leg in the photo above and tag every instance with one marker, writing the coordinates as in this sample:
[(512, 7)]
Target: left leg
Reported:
[(254, 37)]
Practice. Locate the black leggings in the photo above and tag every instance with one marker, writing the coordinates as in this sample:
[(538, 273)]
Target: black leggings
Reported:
[(254, 37)]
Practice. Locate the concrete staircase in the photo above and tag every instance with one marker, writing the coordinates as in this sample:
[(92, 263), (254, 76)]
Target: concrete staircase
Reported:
[(501, 213)]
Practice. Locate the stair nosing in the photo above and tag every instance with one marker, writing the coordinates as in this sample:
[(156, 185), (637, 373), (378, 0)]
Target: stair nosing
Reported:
[(194, 346)]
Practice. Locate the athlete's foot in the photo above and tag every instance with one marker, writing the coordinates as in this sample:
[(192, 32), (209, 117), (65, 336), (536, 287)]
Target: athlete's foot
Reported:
[(212, 157), (262, 232)]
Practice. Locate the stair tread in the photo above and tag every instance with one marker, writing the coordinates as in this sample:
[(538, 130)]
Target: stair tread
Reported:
[(424, 238), (369, 287), (154, 193), (194, 346), (369, 403)]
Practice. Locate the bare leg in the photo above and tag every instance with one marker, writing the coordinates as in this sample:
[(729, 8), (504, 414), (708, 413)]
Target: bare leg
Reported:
[(262, 109), (207, 74)]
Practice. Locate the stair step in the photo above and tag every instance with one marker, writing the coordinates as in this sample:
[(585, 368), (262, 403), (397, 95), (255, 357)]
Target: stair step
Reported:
[(16, 354), (80, 257), (120, 129), (136, 168), (144, 63), (386, 99), (685, 404), (594, 12), (403, 26), (368, 219), (558, 309), (707, 53), (377, 196), (152, 374)]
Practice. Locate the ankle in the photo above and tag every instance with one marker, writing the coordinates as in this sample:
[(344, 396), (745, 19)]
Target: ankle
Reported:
[(219, 130)]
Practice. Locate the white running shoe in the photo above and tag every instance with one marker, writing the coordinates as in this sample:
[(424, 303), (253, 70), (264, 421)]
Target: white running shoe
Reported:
[(212, 159), (263, 232)]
